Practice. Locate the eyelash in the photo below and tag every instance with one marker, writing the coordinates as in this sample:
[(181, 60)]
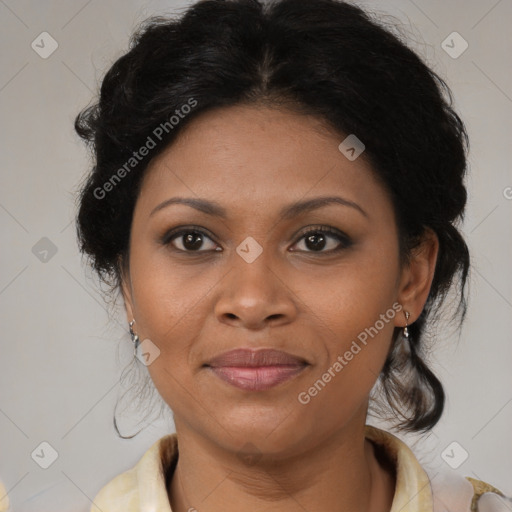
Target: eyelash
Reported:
[(344, 240)]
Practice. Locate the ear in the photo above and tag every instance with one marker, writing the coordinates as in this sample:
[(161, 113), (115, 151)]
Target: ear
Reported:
[(126, 289), (417, 275)]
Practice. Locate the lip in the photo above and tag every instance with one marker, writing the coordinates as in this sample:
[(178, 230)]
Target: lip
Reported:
[(255, 357), (256, 370)]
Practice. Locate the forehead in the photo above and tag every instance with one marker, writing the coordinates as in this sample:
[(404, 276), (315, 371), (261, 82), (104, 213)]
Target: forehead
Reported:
[(251, 157)]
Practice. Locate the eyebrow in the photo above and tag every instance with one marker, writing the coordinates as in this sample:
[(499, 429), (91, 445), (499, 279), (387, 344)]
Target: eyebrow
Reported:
[(216, 210)]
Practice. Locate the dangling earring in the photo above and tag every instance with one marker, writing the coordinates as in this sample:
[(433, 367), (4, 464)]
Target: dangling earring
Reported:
[(135, 338), (405, 349), (406, 330)]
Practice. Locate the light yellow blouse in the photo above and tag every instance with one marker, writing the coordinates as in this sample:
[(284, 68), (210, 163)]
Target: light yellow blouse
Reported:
[(143, 487), (4, 499)]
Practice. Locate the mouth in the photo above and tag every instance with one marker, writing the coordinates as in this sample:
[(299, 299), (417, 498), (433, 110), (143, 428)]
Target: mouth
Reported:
[(256, 378), (256, 370)]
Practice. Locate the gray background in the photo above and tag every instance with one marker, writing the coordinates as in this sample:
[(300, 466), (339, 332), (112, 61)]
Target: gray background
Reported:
[(62, 358)]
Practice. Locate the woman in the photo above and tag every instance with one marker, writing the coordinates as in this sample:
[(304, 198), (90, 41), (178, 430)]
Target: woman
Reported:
[(276, 193)]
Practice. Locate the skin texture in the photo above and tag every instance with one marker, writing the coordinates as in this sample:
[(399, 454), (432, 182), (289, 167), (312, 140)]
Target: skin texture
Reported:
[(297, 298)]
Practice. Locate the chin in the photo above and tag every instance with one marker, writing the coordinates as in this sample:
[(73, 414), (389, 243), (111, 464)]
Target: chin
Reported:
[(271, 429)]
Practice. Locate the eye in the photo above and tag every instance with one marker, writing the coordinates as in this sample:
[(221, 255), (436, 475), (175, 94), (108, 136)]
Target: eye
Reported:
[(188, 240), (317, 238)]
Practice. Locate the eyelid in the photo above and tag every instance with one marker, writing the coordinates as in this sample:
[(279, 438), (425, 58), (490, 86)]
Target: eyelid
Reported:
[(323, 228)]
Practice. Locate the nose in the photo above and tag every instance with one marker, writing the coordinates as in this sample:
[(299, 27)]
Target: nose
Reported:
[(255, 295)]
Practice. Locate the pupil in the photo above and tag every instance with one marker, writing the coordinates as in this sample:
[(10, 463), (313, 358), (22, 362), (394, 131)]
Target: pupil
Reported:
[(192, 241), (310, 241)]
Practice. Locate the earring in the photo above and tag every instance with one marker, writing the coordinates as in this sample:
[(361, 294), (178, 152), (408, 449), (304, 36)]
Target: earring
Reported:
[(135, 337), (404, 342), (406, 330)]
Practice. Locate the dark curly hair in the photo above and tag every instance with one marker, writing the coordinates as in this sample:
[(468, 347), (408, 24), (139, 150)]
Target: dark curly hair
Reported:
[(325, 58)]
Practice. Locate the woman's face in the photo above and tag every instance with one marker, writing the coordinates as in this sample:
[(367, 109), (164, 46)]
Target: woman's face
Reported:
[(252, 280)]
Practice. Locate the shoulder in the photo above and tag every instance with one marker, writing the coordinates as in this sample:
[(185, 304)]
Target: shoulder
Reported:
[(488, 498), (433, 490), (4, 499), (452, 492), (119, 494), (143, 487)]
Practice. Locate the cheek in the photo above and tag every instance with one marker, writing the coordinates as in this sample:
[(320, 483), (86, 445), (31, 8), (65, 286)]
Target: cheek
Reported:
[(172, 306), (167, 294), (350, 297), (340, 386), (354, 311)]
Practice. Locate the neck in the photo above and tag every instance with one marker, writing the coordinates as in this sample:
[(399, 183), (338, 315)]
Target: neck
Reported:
[(339, 473)]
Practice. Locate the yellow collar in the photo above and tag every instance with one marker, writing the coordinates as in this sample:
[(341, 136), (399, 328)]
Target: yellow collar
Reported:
[(143, 487), (412, 491)]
